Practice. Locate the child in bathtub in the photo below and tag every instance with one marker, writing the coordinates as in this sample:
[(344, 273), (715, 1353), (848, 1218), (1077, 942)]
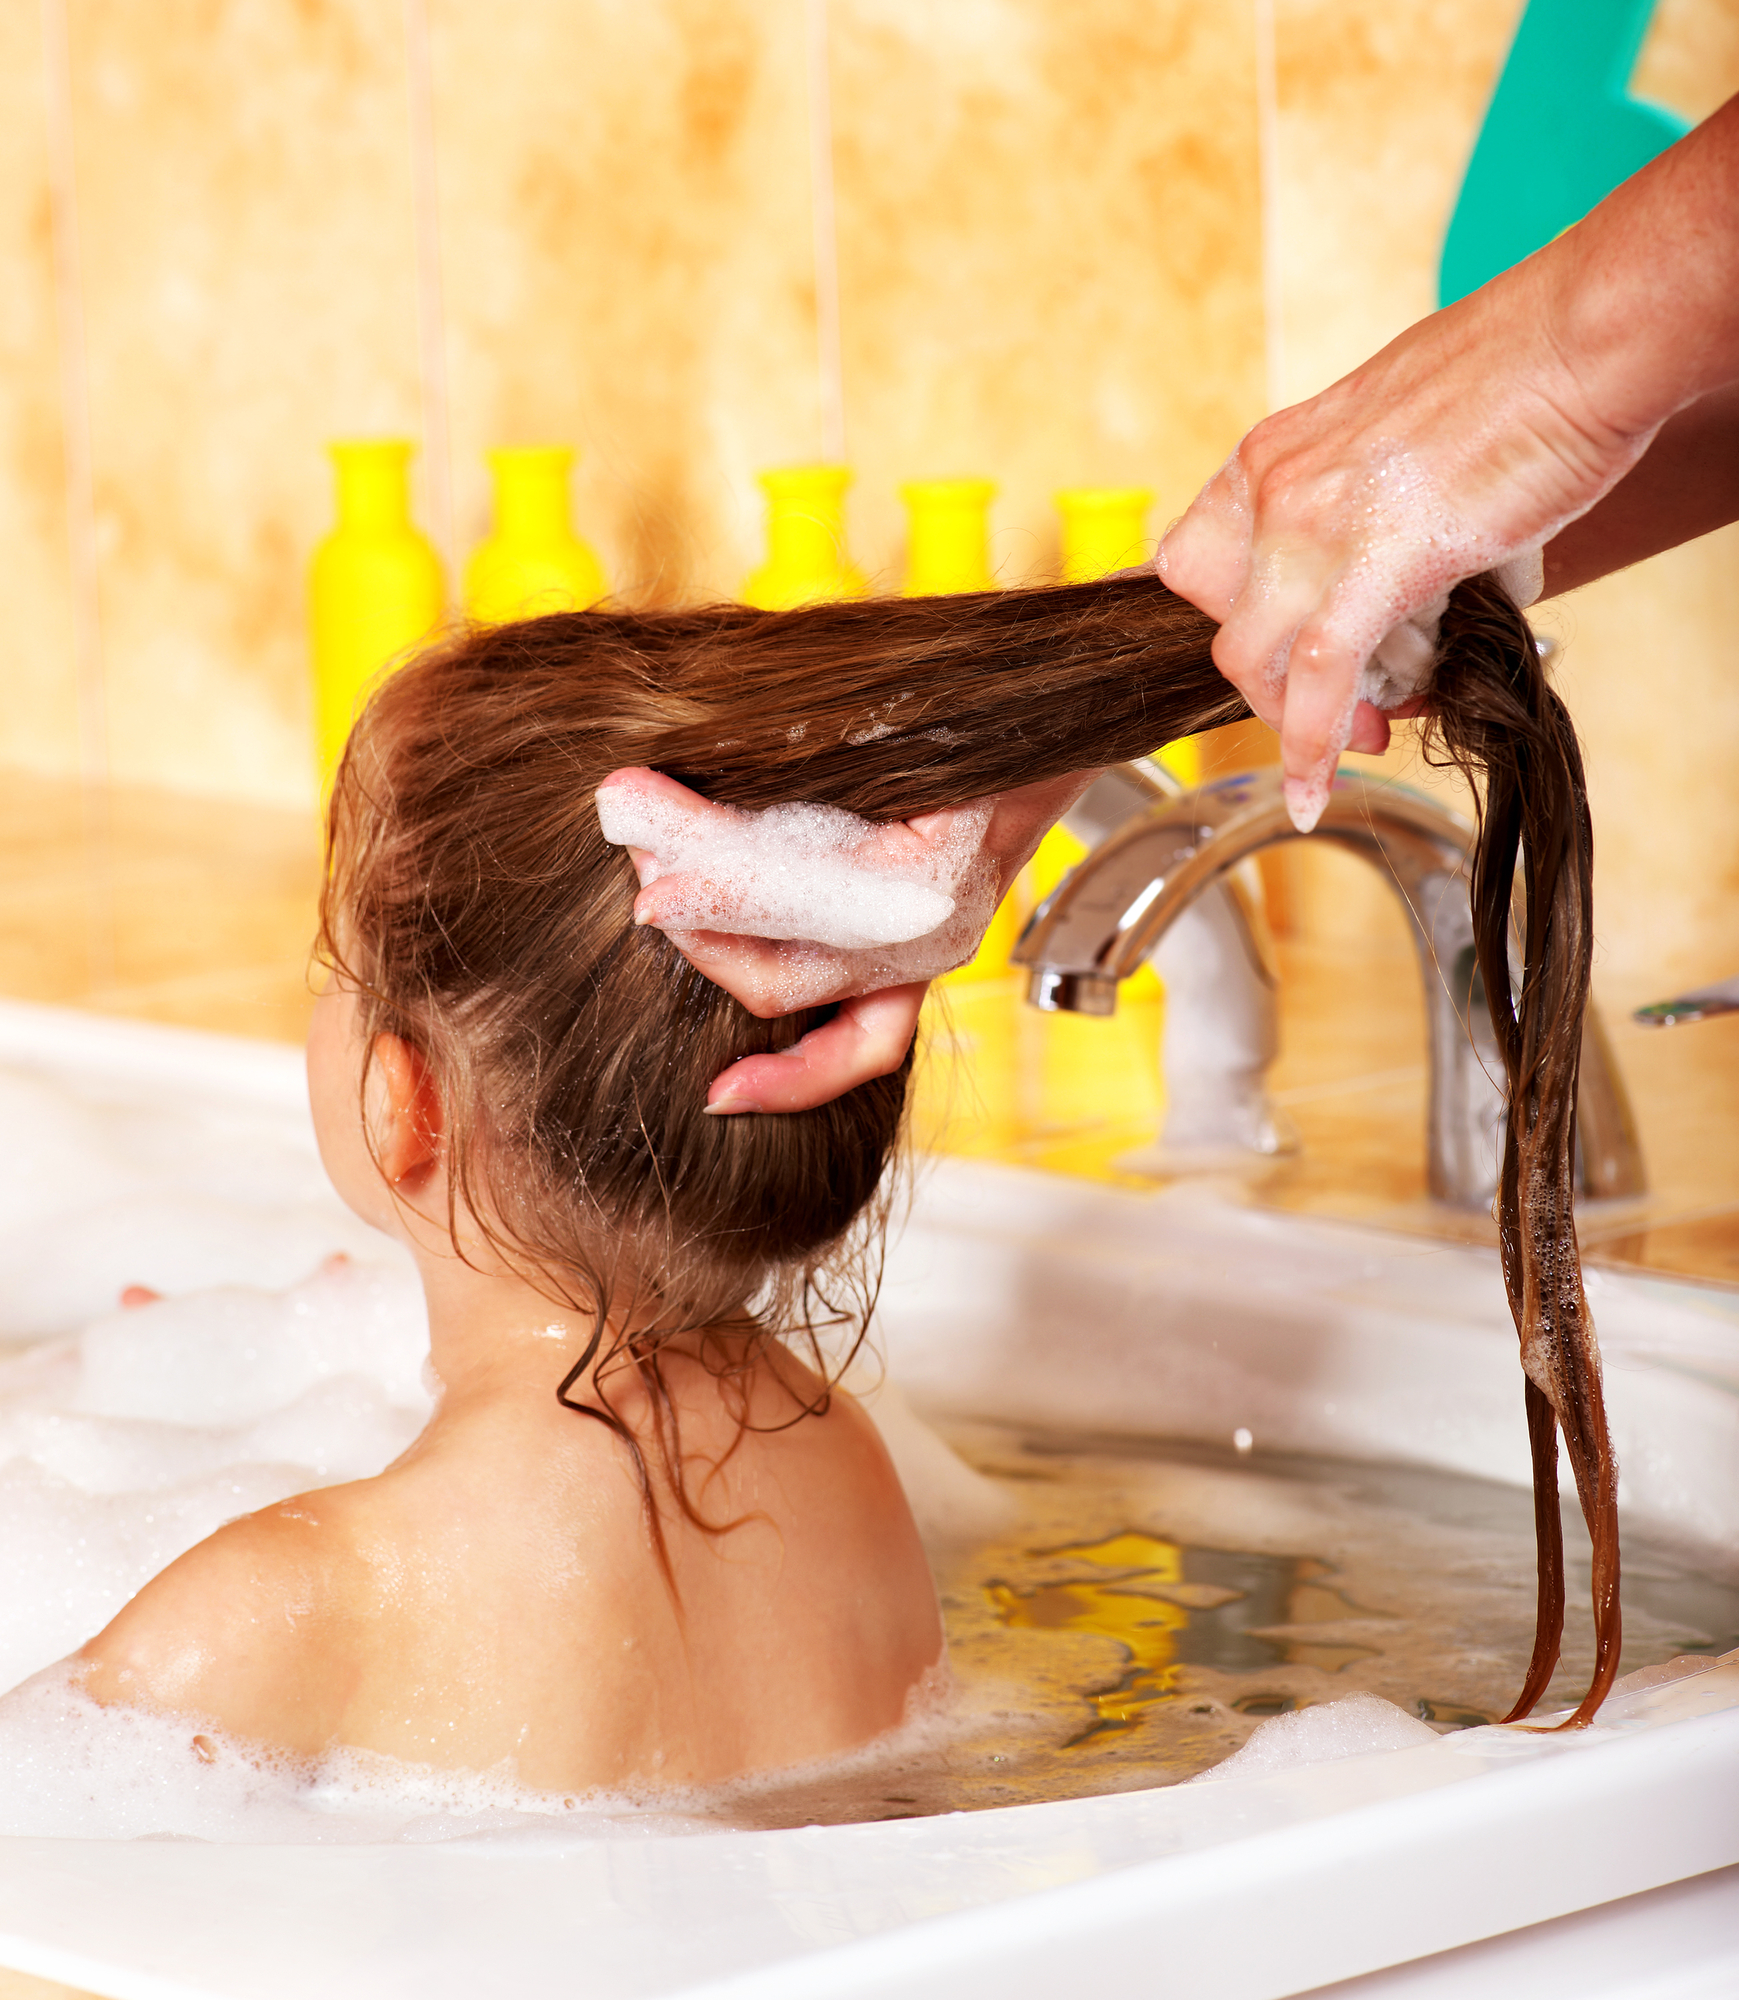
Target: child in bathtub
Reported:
[(643, 1540)]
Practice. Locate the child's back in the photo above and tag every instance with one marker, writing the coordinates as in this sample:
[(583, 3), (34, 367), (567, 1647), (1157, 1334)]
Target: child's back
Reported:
[(495, 1598)]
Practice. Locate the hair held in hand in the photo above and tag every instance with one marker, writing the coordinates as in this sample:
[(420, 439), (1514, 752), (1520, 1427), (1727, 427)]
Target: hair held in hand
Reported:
[(473, 898)]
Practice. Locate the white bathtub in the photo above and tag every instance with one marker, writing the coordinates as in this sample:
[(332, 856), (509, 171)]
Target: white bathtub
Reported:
[(1603, 1867)]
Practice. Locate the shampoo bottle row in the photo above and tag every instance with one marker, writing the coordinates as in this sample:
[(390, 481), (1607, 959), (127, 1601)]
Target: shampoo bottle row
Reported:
[(377, 588)]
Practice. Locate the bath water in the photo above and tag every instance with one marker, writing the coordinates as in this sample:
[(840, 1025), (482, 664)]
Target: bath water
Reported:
[(1151, 1603), (1120, 1613), (1140, 1609)]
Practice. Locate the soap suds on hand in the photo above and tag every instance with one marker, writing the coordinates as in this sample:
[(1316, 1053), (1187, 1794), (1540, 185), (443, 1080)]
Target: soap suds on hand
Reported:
[(1403, 662), (808, 872)]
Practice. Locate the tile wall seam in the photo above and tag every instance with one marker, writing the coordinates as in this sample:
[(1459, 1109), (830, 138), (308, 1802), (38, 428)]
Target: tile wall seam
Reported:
[(89, 667), (1268, 163), (830, 366), (431, 298)]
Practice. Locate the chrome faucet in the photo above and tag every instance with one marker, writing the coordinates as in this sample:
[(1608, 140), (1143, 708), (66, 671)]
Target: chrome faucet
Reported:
[(1222, 991), (1110, 913)]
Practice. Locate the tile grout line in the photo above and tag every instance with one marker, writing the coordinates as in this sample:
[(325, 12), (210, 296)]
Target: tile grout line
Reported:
[(829, 359), (1268, 165), (81, 505), (431, 304)]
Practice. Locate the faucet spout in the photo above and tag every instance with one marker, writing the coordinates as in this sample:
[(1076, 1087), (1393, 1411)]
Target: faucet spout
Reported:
[(1108, 914)]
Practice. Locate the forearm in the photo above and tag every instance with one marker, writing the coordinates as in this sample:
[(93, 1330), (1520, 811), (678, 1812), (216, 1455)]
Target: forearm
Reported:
[(1641, 298), (1686, 485)]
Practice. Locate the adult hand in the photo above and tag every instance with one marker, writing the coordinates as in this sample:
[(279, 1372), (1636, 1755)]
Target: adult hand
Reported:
[(1477, 435), (971, 853), (1464, 443)]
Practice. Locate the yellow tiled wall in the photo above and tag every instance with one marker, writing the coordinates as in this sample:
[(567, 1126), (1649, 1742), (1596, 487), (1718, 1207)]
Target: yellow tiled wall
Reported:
[(1050, 251), (1077, 241)]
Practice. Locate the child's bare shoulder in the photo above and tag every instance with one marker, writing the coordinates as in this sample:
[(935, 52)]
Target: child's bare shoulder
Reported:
[(226, 1632)]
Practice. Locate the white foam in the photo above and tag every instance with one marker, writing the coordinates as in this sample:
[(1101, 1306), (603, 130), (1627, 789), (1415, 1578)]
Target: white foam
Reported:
[(235, 1355), (99, 1190), (1355, 1726), (123, 1446), (1405, 659), (73, 1769), (798, 871)]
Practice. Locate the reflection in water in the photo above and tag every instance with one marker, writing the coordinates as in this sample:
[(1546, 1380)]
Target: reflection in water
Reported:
[(1154, 1601), (1262, 1704), (1134, 1602), (1168, 1605)]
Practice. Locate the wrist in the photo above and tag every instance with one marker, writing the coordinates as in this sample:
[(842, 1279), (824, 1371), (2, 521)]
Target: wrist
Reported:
[(1640, 300)]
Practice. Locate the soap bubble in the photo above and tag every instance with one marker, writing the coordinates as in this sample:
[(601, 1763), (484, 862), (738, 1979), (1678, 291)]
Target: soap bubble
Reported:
[(810, 873), (1358, 1725)]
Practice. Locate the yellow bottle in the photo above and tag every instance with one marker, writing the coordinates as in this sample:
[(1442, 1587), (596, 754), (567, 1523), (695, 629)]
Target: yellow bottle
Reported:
[(376, 587), (948, 536), (806, 558), (948, 549), (533, 562), (1058, 1082), (1104, 528)]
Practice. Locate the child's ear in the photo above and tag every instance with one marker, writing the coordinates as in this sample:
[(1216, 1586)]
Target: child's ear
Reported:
[(404, 1110)]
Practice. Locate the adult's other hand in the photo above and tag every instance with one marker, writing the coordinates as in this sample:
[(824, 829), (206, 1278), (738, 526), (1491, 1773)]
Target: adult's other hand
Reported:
[(696, 878)]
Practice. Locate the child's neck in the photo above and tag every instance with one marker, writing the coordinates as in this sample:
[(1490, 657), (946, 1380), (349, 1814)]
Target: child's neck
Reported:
[(494, 1339), (499, 1348)]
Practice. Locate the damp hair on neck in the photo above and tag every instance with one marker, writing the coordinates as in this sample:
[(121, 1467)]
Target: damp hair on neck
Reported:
[(488, 922)]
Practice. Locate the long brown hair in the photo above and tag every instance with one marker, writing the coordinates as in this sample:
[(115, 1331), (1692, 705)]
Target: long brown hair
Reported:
[(485, 918)]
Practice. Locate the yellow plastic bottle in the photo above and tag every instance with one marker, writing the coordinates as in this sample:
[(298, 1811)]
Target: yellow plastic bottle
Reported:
[(1061, 1089), (1104, 528), (376, 586), (948, 535), (533, 562), (806, 559), (948, 549)]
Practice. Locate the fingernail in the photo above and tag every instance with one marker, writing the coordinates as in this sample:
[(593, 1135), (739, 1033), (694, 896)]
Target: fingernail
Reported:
[(728, 1107), (1305, 799)]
